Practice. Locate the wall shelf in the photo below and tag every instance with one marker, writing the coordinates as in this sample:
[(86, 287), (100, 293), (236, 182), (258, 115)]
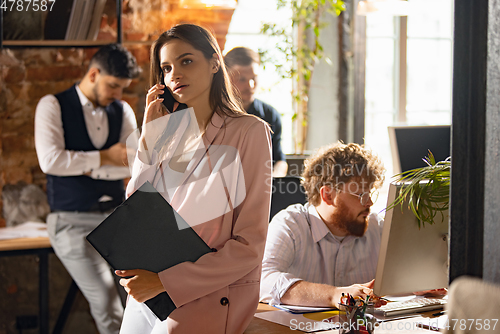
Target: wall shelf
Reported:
[(55, 43), (60, 42)]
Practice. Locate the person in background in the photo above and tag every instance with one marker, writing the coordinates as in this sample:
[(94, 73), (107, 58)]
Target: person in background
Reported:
[(243, 65), (318, 251), (80, 139)]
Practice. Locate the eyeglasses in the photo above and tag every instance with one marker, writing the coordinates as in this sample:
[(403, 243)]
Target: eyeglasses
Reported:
[(364, 197)]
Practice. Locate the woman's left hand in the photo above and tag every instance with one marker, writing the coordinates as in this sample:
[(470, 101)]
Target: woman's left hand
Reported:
[(142, 286)]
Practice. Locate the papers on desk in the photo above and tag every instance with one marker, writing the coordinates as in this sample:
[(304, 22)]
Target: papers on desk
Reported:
[(303, 309), (317, 320), (24, 230), (435, 324)]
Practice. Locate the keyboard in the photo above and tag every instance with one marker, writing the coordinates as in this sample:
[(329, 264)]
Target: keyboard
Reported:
[(410, 306)]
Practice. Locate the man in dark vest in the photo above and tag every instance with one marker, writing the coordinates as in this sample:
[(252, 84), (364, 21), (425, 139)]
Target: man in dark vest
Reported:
[(80, 137), (243, 65)]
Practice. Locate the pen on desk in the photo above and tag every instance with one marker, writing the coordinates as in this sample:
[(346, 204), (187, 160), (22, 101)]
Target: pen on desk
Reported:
[(431, 328), (438, 313), (366, 303)]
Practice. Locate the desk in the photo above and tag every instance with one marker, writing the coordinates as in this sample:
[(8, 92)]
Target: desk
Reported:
[(34, 246), (260, 326), (41, 247)]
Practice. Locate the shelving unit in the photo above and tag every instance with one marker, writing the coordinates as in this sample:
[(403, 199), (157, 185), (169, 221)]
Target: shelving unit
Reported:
[(63, 43)]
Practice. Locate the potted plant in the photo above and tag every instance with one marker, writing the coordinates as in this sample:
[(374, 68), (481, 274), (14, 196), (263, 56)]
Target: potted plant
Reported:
[(427, 190)]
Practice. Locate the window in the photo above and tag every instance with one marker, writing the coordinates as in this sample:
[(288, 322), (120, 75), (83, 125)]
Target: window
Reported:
[(408, 73), (244, 30)]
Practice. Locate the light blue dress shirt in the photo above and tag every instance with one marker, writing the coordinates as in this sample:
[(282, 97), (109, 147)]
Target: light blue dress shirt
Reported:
[(300, 246)]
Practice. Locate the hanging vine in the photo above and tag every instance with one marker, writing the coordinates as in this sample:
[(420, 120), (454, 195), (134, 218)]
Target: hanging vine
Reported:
[(300, 44)]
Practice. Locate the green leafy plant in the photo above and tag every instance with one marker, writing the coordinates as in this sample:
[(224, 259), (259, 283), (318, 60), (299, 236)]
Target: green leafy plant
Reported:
[(302, 49), (427, 190)]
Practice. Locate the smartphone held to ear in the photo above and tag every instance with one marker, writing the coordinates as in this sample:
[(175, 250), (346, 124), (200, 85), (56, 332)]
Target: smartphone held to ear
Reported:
[(170, 103)]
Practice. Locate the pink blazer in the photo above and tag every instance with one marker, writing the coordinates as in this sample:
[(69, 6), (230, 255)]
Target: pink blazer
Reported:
[(219, 293)]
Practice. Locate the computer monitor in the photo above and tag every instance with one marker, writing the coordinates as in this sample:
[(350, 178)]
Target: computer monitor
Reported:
[(409, 144), (411, 259)]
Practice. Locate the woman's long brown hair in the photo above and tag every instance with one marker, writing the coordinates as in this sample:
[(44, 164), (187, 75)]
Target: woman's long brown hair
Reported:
[(223, 98)]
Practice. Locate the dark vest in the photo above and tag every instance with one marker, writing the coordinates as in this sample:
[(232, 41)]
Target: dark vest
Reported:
[(82, 193)]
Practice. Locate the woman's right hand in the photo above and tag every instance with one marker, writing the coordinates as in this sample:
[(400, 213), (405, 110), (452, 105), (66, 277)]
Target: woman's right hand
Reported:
[(154, 108)]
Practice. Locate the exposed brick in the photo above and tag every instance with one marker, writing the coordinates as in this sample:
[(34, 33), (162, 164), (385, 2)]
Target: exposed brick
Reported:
[(7, 58), (126, 23), (219, 28), (89, 53), (108, 36), (18, 160), (141, 54), (113, 23), (134, 36), (12, 289), (15, 74), (132, 100), (17, 142), (3, 101), (71, 57), (54, 73), (14, 175), (225, 15), (222, 42), (138, 86), (17, 95), (39, 89), (21, 111), (31, 105), (170, 21), (2, 179), (36, 57), (18, 126), (104, 22)]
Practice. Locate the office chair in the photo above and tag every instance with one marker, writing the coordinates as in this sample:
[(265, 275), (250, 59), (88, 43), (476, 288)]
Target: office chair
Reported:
[(286, 191)]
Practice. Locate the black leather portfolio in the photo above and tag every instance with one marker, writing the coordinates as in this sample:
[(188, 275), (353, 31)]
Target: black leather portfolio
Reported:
[(145, 232)]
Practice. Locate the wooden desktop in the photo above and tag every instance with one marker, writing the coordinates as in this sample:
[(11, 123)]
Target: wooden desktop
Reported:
[(260, 326), (24, 243), (41, 247)]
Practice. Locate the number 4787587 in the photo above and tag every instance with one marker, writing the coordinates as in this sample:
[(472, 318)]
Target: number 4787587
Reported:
[(470, 324), (25, 5)]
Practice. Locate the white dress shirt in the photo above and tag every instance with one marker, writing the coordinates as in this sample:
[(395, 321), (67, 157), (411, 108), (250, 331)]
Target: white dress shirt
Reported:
[(300, 246), (54, 159)]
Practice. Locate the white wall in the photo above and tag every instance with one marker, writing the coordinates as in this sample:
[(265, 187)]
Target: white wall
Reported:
[(323, 98)]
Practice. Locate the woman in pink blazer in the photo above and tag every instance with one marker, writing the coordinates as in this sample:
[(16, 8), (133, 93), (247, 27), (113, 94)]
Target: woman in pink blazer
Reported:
[(212, 163)]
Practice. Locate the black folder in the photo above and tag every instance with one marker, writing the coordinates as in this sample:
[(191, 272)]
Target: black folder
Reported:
[(145, 232)]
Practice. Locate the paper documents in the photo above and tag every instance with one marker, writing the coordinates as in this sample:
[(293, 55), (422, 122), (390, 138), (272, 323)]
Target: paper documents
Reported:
[(307, 322), (24, 230), (303, 309)]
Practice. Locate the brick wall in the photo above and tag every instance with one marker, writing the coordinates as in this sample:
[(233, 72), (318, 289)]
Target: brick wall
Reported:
[(27, 74)]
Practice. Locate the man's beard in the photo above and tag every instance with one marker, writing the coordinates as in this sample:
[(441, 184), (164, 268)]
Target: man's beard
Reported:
[(352, 226), (97, 97)]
